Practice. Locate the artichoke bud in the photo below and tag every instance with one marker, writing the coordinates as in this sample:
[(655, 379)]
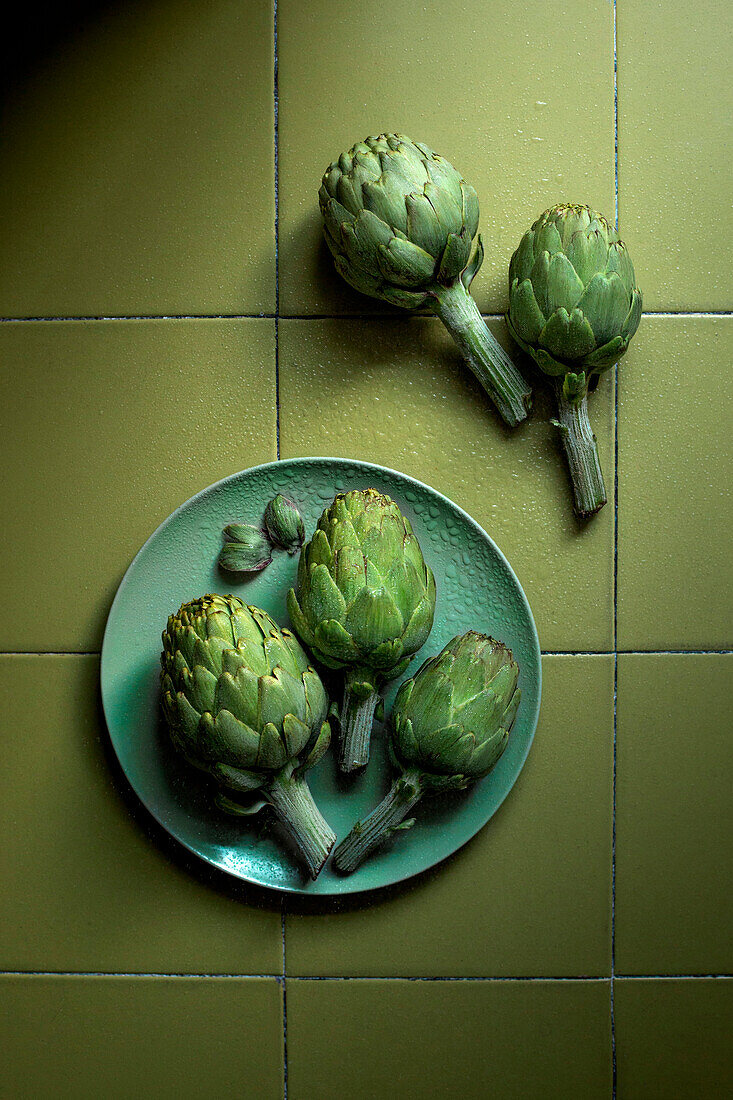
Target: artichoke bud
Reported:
[(365, 600), (284, 524), (245, 550), (397, 217), (573, 300), (452, 720)]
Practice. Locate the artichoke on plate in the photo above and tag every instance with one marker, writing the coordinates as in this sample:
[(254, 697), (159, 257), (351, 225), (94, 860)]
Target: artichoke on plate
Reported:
[(574, 306), (400, 223), (244, 704), (365, 604), (449, 725)]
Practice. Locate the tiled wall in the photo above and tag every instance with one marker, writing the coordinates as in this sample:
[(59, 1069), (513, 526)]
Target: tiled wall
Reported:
[(171, 318)]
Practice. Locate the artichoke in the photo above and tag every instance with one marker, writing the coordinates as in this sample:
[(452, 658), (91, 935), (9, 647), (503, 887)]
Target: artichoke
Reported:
[(400, 223), (243, 704), (574, 306), (449, 726), (365, 604)]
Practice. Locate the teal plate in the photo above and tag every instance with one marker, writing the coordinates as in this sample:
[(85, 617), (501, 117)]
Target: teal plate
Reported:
[(476, 589)]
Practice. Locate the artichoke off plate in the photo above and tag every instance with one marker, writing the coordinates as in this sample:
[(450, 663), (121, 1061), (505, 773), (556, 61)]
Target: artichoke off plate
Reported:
[(476, 589)]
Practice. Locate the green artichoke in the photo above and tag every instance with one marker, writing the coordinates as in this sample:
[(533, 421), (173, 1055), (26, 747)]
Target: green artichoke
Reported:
[(365, 604), (574, 306), (449, 725), (400, 223), (243, 704)]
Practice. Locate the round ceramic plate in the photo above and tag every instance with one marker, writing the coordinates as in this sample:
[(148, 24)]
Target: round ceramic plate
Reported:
[(476, 590)]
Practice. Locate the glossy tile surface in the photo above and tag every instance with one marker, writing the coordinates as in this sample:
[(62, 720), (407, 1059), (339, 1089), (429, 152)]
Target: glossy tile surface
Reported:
[(506, 904), (88, 883), (675, 136), (396, 392), (675, 507), (674, 819), (673, 1039), (469, 1039), (107, 428), (138, 163), (473, 83), (147, 1037)]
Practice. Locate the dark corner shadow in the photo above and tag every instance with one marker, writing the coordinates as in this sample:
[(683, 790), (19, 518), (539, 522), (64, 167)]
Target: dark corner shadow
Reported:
[(211, 877), (37, 33)]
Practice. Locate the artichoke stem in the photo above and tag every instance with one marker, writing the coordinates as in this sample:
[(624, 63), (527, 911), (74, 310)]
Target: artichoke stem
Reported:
[(311, 834), (357, 719), (482, 351), (373, 830), (581, 451)]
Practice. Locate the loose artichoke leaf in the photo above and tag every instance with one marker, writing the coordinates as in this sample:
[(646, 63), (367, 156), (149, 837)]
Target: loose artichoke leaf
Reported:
[(470, 209)]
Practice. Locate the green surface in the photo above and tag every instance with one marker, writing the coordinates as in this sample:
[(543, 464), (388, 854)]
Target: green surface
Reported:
[(675, 103), (451, 1039), (107, 427), (675, 512), (529, 913), (674, 821), (87, 886), (181, 559), (673, 1039), (74, 1038), (492, 89), (138, 179)]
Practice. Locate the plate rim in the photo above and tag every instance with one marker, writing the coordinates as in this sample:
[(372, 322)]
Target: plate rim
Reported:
[(367, 467)]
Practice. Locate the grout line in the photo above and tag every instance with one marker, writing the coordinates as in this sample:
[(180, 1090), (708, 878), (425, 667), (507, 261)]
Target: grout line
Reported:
[(276, 117), (357, 977), (614, 1074), (283, 986), (277, 316)]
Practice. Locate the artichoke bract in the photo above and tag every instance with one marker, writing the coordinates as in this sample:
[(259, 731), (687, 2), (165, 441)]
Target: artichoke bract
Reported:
[(284, 524), (400, 223), (449, 725), (574, 306), (244, 704), (245, 549), (365, 604)]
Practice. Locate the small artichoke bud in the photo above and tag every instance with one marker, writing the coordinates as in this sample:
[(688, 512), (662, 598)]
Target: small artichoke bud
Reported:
[(246, 549), (284, 524)]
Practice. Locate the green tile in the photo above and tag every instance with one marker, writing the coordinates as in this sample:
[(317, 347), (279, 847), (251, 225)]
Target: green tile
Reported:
[(395, 392), (81, 1038), (84, 887), (673, 1039), (138, 165), (108, 427), (467, 1039), (675, 506), (674, 816), (530, 895), (675, 103), (494, 91)]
